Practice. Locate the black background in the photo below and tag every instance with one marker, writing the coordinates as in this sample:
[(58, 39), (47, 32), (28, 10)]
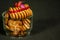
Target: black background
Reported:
[(46, 19)]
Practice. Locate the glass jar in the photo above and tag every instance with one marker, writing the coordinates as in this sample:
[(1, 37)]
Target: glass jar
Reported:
[(17, 26)]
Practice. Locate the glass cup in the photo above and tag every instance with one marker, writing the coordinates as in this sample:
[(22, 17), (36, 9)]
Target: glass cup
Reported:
[(15, 32)]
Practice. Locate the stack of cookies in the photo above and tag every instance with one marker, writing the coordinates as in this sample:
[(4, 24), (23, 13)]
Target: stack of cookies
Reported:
[(17, 19)]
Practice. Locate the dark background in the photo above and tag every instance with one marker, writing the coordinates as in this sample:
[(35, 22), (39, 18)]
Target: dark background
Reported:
[(46, 19)]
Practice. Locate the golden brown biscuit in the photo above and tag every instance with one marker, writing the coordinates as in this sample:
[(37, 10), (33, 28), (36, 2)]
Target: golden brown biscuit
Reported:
[(27, 11), (21, 27), (14, 28), (26, 5), (16, 15), (6, 21), (11, 12), (24, 28), (7, 27), (26, 22), (19, 22), (6, 15), (24, 13), (10, 9), (13, 16), (11, 25), (29, 21), (30, 12), (10, 22), (17, 27), (11, 28), (27, 14), (27, 26), (21, 13)]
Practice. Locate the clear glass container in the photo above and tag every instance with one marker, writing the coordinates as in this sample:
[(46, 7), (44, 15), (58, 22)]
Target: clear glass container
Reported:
[(13, 31)]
